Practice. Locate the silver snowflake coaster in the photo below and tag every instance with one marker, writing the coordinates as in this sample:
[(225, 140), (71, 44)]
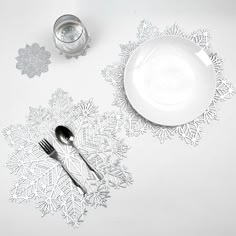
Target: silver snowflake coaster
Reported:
[(33, 60), (43, 180), (83, 53), (135, 124)]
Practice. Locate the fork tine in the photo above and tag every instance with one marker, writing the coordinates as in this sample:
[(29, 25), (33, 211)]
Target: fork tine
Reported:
[(49, 145), (46, 145), (43, 147)]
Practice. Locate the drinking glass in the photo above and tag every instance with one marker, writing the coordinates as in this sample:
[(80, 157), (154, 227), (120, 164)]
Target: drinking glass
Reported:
[(70, 35)]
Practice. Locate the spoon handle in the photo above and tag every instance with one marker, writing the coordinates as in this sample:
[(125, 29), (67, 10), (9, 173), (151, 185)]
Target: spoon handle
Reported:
[(98, 175), (83, 189)]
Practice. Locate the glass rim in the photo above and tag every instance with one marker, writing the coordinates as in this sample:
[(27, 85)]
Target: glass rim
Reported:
[(54, 26)]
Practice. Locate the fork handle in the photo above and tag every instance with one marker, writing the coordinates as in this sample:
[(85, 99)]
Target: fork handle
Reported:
[(83, 189)]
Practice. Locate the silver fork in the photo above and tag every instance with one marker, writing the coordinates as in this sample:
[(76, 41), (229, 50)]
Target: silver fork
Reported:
[(50, 150)]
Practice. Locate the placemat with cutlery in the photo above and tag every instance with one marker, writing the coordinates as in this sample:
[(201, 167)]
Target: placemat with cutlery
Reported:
[(67, 157)]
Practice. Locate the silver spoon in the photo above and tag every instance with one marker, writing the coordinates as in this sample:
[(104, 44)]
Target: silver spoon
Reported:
[(65, 136)]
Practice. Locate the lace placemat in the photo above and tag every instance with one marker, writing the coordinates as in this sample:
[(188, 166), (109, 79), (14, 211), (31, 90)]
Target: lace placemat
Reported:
[(42, 179), (33, 60), (135, 124)]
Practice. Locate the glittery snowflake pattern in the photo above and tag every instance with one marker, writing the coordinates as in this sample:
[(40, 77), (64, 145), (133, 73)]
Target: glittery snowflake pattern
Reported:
[(42, 179), (83, 53), (135, 124), (33, 60)]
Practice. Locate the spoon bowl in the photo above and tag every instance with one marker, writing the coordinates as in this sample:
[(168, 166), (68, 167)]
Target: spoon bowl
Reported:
[(64, 135)]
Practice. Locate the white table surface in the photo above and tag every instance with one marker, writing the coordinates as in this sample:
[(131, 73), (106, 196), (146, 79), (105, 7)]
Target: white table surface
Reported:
[(179, 190)]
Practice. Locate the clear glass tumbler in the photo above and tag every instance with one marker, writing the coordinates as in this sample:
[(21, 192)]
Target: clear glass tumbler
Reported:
[(70, 35)]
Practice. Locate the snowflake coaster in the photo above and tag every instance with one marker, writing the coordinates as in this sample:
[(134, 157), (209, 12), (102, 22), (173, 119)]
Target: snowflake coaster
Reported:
[(83, 53), (33, 60), (134, 123), (42, 179)]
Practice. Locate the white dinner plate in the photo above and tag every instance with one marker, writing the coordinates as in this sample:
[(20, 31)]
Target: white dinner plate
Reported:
[(170, 80)]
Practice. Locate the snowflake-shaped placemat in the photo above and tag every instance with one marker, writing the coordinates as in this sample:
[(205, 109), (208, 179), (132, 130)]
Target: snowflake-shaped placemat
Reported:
[(134, 123), (33, 60), (42, 179)]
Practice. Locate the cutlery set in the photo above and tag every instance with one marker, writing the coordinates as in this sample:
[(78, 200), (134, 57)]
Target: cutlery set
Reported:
[(66, 137)]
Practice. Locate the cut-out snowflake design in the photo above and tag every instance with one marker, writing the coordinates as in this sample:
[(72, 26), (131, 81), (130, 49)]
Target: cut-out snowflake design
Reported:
[(42, 179), (33, 60), (83, 53), (134, 123)]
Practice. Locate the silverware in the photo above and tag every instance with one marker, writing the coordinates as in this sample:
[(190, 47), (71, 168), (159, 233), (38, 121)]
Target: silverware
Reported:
[(50, 150), (65, 136)]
